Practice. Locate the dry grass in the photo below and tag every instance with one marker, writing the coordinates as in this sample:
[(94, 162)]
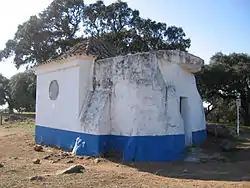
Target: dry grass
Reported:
[(16, 153)]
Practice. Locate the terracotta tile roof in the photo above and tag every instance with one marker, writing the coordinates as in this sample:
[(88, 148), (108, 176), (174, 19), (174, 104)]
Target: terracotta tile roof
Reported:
[(93, 47)]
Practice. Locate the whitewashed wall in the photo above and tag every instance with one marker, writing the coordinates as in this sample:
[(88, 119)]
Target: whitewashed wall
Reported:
[(134, 103), (74, 79), (137, 93)]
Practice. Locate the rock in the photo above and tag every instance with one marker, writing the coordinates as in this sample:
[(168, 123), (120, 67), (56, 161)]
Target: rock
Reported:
[(97, 160), (64, 154), (1, 165), (72, 169), (88, 157), (227, 145), (38, 148), (70, 161), (36, 161), (40, 178), (47, 156), (55, 161)]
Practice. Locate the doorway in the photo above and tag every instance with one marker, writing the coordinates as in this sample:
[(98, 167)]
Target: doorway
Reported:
[(184, 111)]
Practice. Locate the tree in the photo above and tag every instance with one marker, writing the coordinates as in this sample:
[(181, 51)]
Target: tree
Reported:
[(129, 32), (54, 30), (5, 96), (224, 77), (46, 35), (23, 91)]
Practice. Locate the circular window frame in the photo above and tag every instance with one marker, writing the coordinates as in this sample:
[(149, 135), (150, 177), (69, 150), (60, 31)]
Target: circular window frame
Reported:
[(53, 90)]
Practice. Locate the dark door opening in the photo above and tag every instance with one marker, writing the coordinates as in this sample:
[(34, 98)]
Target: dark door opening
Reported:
[(184, 111)]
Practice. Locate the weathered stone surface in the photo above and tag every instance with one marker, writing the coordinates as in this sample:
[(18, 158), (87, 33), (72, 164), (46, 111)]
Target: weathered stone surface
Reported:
[(36, 161), (38, 148), (72, 169)]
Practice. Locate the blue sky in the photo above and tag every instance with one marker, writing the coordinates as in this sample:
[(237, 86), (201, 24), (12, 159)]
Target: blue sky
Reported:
[(212, 25)]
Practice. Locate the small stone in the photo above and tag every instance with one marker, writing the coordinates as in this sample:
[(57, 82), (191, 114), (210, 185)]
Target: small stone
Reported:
[(185, 170), (70, 161), (1, 165), (97, 160), (36, 161), (15, 158), (47, 156), (88, 157), (39, 178), (117, 165), (72, 169), (38, 148), (81, 157), (64, 154), (55, 161)]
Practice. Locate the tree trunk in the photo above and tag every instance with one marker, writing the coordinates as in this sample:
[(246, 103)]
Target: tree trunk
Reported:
[(11, 110)]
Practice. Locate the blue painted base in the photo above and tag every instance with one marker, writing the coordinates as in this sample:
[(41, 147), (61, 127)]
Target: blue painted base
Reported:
[(199, 137), (135, 148)]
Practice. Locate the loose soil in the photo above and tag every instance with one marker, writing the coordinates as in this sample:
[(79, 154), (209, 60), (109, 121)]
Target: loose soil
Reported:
[(17, 155)]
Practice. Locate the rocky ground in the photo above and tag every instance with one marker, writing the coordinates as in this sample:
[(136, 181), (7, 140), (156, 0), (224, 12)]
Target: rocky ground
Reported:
[(24, 164)]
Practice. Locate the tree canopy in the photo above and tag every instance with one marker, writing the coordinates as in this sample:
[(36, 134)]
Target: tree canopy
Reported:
[(19, 92), (65, 22), (224, 78)]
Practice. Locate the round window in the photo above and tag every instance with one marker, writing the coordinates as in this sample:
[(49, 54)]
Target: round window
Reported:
[(53, 90)]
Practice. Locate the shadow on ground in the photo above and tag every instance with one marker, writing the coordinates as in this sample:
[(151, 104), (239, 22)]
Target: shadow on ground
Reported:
[(235, 168)]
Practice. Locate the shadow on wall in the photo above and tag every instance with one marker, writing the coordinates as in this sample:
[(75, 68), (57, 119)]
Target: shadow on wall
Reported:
[(236, 168)]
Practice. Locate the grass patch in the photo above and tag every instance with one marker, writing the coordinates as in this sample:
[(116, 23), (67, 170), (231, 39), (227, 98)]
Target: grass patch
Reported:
[(33, 113), (27, 125)]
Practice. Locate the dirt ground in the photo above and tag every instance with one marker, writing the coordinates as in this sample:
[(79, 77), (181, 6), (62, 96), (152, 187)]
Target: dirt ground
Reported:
[(17, 153)]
